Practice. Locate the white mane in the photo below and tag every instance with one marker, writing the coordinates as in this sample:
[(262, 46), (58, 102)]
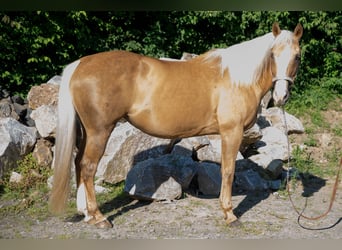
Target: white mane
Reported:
[(243, 60)]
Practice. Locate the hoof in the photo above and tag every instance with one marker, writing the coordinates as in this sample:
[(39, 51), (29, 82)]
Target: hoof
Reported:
[(235, 224), (230, 218), (104, 224), (100, 224)]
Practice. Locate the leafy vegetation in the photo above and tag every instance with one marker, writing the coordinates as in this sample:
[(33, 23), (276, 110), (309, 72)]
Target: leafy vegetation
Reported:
[(34, 46), (31, 189)]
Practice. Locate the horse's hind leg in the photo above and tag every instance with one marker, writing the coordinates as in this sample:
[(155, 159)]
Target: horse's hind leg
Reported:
[(81, 196), (86, 167)]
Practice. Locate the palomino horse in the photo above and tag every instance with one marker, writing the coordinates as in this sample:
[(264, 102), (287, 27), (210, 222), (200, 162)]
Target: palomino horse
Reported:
[(218, 92)]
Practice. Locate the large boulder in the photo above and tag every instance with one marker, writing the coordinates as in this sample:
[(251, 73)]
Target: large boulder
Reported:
[(16, 141), (45, 118), (44, 94), (161, 178), (272, 150), (209, 179), (251, 180), (126, 147), (276, 117)]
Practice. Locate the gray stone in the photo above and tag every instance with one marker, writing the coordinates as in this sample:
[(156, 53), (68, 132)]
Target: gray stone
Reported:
[(274, 143), (275, 116), (251, 136), (274, 169), (250, 180), (272, 151), (7, 109), (206, 148), (190, 146), (15, 177), (45, 118), (209, 179), (245, 164), (275, 184), (16, 140), (162, 178), (126, 147)]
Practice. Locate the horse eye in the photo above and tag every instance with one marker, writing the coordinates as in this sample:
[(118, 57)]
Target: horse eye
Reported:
[(297, 57)]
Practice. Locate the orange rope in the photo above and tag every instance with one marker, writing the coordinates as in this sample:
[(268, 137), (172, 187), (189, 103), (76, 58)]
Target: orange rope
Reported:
[(333, 195)]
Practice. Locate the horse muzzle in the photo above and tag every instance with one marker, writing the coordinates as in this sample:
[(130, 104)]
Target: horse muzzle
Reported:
[(281, 90)]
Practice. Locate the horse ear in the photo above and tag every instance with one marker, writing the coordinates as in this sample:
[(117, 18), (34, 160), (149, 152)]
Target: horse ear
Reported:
[(298, 32), (276, 29)]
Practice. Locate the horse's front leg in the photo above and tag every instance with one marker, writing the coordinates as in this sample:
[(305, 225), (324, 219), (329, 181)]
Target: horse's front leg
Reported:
[(231, 141)]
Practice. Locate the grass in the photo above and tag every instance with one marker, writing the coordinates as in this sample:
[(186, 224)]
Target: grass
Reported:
[(29, 192), (30, 195), (309, 106)]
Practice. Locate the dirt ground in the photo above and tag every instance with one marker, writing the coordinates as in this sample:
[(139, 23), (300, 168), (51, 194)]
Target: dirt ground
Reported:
[(263, 215)]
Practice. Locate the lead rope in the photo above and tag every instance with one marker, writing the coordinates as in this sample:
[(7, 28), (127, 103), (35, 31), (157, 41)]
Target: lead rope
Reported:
[(333, 195)]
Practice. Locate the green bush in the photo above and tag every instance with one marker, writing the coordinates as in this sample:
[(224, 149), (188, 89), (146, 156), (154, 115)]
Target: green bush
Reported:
[(35, 46)]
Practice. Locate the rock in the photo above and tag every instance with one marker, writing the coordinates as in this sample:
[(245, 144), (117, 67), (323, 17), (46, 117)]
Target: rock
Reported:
[(276, 118), (250, 180), (273, 135), (100, 189), (201, 148), (274, 169), (245, 164), (209, 179), (212, 150), (272, 151), (162, 178), (28, 120), (251, 136), (45, 118), (126, 147), (21, 110), (15, 177), (7, 109), (42, 152), (18, 99), (4, 93), (44, 94), (198, 147), (275, 184), (16, 140)]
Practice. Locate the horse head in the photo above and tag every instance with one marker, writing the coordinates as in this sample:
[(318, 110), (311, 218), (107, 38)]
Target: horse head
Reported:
[(285, 56)]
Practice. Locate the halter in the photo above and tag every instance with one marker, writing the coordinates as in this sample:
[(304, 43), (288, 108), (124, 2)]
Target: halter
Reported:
[(286, 78)]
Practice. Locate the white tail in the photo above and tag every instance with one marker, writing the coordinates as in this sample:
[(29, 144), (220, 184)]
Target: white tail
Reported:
[(65, 142)]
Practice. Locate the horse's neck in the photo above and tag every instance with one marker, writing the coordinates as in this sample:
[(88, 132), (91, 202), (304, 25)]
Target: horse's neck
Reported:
[(262, 71)]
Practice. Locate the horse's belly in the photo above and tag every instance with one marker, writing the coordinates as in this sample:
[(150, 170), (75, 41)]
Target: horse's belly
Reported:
[(174, 125)]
